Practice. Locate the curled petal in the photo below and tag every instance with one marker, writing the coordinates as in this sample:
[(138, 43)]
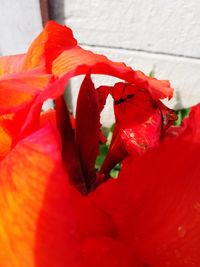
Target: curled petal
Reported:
[(48, 45), (81, 61), (158, 89), (138, 118)]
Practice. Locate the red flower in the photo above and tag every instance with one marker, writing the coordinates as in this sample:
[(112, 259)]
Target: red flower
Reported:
[(58, 41), (147, 217)]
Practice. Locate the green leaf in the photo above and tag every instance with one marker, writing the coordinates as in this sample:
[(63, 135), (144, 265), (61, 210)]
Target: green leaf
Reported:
[(152, 72), (115, 171), (102, 155), (181, 113)]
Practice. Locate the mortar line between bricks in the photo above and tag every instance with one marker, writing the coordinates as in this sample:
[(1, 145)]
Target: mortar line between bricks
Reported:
[(141, 51)]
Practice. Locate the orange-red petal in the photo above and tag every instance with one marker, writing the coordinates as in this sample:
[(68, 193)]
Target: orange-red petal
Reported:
[(81, 61), (48, 45), (14, 95), (11, 64), (5, 143), (33, 203)]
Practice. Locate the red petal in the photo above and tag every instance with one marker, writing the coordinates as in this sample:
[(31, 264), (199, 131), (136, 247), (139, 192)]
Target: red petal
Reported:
[(17, 90), (48, 116), (103, 92), (116, 153), (33, 78), (11, 64), (142, 121), (15, 123), (69, 152), (6, 140), (14, 95), (155, 203), (33, 204), (48, 45), (81, 61), (138, 118), (52, 41), (158, 89), (108, 252), (87, 129)]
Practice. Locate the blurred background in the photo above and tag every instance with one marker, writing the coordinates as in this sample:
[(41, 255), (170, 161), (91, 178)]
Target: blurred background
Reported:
[(158, 35)]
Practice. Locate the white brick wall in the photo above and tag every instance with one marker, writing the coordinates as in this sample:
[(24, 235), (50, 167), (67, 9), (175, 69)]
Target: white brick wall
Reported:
[(143, 33), (20, 22)]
